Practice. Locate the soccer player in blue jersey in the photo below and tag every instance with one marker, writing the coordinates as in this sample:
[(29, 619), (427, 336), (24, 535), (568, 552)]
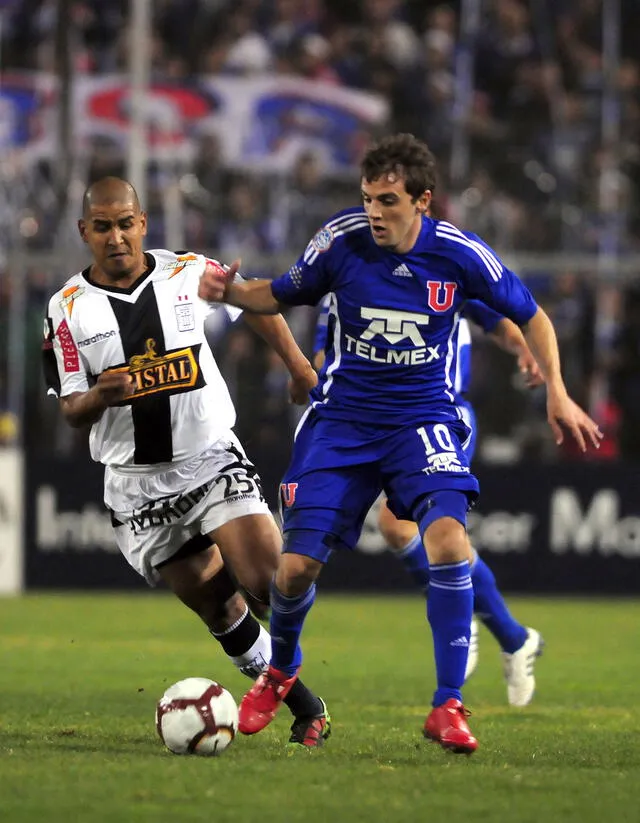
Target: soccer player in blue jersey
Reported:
[(520, 645), (384, 416)]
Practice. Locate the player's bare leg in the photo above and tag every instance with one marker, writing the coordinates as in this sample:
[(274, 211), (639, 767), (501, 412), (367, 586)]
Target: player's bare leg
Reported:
[(292, 596), (251, 547)]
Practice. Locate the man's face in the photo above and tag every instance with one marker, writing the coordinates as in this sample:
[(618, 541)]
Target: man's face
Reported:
[(114, 232), (394, 217)]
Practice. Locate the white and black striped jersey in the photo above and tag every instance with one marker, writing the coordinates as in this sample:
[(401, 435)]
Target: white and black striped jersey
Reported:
[(155, 331)]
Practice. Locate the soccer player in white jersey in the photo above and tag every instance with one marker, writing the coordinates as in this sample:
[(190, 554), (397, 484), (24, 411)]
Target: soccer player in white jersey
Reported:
[(125, 353), (384, 416)]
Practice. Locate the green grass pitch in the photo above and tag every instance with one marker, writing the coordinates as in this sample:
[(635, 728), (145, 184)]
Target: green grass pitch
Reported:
[(80, 676)]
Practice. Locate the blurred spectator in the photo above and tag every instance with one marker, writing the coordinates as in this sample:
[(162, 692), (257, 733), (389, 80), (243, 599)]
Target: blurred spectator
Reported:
[(531, 174), (243, 227), (627, 374), (572, 312), (302, 204)]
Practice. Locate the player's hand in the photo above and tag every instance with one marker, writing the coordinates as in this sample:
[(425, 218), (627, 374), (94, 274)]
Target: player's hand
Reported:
[(563, 411), (530, 370), (301, 384), (113, 387), (215, 280)]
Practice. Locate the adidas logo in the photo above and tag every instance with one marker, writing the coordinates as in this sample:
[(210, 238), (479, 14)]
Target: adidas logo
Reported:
[(401, 271), (460, 641)]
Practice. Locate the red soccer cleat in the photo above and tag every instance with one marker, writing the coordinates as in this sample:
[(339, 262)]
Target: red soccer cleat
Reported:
[(447, 725), (262, 701)]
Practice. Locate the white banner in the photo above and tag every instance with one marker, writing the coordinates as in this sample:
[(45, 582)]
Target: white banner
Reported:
[(11, 508)]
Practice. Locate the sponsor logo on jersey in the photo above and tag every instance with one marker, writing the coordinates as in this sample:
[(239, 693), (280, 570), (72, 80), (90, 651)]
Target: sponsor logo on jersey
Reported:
[(97, 338), (70, 355), (180, 264), (164, 512), (323, 239), (69, 296), (445, 462), (394, 327), (402, 271), (440, 295), (152, 372)]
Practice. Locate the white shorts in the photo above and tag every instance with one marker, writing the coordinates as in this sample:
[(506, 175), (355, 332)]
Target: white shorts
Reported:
[(155, 514)]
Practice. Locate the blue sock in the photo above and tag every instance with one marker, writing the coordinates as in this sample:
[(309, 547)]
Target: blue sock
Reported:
[(287, 618), (414, 558), (449, 609), (492, 610)]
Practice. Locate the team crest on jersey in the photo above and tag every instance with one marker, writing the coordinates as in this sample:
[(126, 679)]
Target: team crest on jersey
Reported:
[(185, 317), (440, 295), (180, 264), (174, 371), (323, 239), (288, 492), (69, 296)]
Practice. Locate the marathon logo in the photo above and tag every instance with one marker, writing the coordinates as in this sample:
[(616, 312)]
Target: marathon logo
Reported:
[(97, 338), (175, 371)]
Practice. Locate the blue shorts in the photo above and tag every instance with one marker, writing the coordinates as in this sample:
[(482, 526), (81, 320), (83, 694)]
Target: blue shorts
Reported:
[(469, 418), (338, 469)]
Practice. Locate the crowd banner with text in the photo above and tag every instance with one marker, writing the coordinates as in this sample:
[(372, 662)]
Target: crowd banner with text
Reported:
[(68, 534), (568, 528)]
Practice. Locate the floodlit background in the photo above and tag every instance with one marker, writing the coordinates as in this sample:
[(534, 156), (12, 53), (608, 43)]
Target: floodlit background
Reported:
[(242, 125)]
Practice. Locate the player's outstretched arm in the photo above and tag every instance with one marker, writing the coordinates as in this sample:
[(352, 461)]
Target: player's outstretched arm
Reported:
[(275, 331), (217, 286), (85, 408), (510, 338), (561, 409)]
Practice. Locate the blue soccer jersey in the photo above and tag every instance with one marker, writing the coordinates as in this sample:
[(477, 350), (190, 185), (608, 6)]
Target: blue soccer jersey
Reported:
[(395, 318), (482, 316)]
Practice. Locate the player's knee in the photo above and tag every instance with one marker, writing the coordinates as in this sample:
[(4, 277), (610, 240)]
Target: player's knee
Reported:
[(443, 527), (446, 541), (296, 574)]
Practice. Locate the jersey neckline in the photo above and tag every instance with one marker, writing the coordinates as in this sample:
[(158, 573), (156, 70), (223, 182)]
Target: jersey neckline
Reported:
[(151, 264)]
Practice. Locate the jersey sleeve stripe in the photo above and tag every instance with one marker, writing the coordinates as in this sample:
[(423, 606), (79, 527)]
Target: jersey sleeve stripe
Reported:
[(491, 262), (345, 220)]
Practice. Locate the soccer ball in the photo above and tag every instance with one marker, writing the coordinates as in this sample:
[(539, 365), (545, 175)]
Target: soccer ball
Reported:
[(197, 716)]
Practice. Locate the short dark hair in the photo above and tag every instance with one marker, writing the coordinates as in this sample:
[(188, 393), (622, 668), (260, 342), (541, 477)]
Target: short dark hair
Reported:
[(405, 155)]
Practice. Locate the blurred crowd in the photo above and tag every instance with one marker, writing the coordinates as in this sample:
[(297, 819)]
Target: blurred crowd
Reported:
[(535, 135)]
